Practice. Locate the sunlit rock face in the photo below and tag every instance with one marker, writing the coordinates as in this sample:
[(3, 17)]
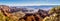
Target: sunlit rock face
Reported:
[(6, 10)]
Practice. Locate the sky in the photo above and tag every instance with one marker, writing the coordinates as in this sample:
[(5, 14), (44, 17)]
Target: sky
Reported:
[(29, 2)]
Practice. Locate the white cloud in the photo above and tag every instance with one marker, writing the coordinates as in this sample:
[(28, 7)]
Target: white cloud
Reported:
[(26, 5), (21, 4), (32, 4)]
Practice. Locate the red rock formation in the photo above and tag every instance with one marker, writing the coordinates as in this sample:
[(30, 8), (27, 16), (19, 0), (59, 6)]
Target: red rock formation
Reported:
[(30, 18)]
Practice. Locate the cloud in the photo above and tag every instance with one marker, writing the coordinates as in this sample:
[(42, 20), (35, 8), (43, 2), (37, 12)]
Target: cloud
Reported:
[(21, 4), (26, 4)]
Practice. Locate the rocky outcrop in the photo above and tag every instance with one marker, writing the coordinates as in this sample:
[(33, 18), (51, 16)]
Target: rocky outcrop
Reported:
[(12, 17), (14, 14), (38, 16), (54, 14)]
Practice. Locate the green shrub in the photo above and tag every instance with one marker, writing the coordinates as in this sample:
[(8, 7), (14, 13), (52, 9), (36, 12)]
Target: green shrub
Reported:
[(55, 14)]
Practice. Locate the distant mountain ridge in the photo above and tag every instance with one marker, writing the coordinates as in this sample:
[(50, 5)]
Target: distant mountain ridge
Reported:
[(44, 7)]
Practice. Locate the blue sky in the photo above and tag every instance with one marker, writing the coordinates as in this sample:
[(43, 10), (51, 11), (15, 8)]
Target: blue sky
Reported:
[(49, 1), (29, 2)]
